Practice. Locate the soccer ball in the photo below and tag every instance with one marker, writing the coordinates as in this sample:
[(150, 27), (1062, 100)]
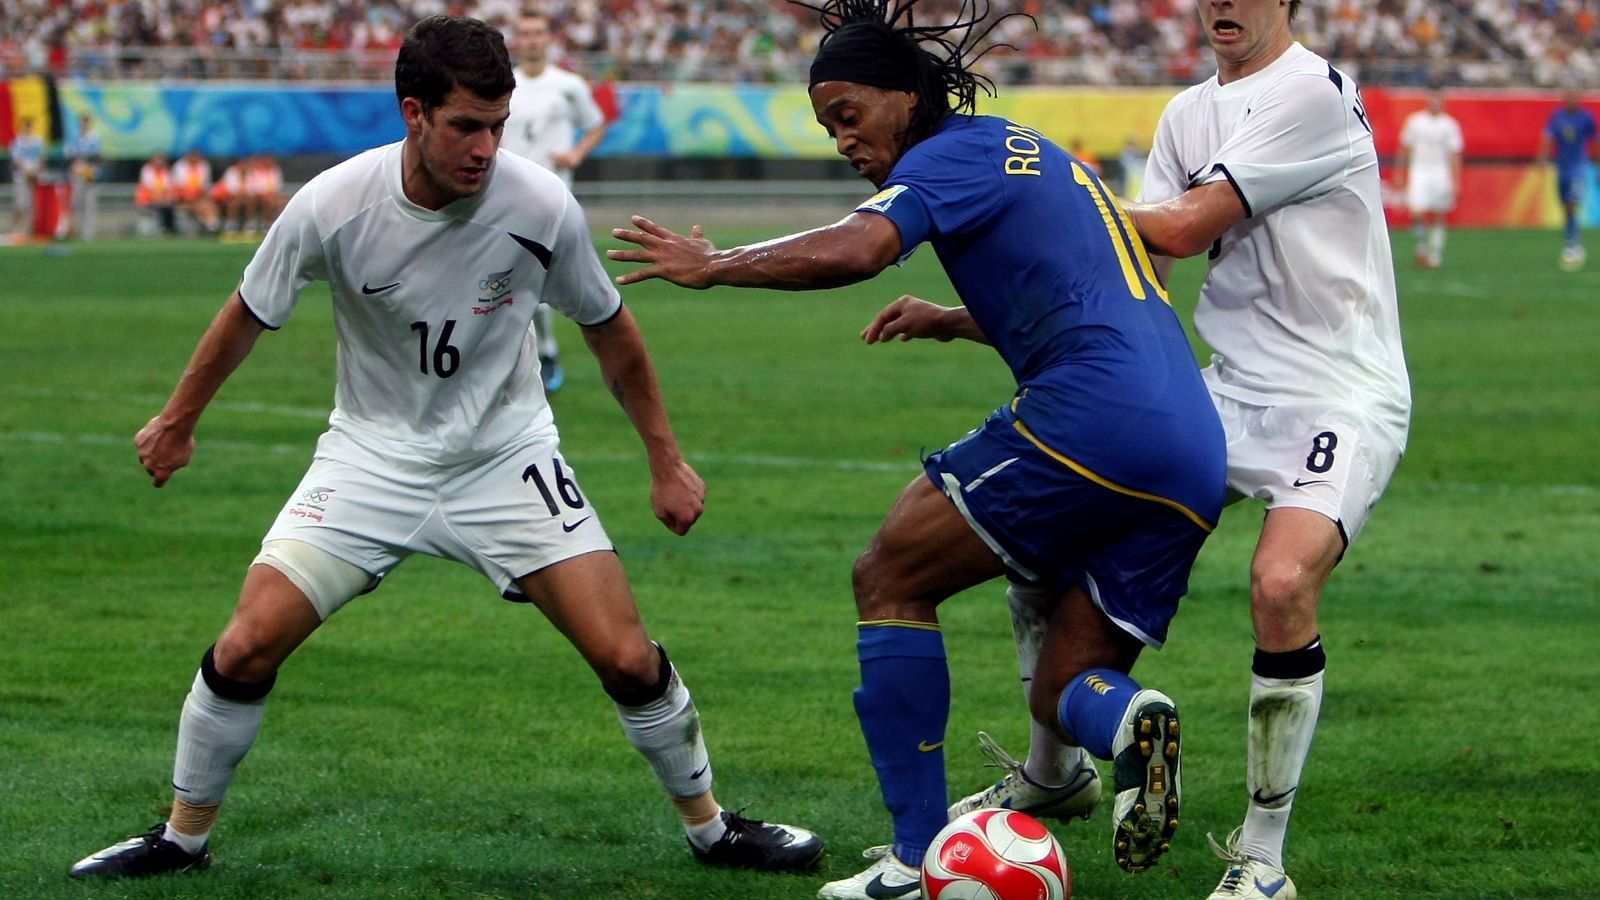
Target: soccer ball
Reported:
[(995, 854)]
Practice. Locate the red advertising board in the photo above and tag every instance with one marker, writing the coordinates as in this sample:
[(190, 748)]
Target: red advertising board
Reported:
[(1501, 186)]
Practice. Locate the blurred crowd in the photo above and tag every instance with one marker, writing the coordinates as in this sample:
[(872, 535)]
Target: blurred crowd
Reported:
[(1102, 42)]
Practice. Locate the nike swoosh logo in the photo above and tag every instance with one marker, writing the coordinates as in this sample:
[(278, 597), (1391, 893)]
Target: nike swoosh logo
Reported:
[(1271, 890), (976, 482), (1196, 174), (1303, 482), (700, 771), (1268, 801), (926, 747), (877, 890), (365, 289), (569, 528)]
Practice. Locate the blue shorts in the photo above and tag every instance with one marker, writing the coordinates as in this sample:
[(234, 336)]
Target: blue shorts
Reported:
[(1055, 527), (1570, 184)]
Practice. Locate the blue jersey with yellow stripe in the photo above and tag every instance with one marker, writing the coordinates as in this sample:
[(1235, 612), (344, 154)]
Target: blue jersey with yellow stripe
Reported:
[(1055, 276), (1571, 130)]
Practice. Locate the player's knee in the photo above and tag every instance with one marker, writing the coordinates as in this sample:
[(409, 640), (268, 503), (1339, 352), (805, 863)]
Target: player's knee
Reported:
[(245, 654), (1282, 593), (635, 674), (867, 581), (236, 684), (1280, 583)]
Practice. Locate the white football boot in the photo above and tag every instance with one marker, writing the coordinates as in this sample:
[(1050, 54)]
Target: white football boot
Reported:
[(1249, 879), (1572, 258), (886, 879), (1074, 800), (1146, 773)]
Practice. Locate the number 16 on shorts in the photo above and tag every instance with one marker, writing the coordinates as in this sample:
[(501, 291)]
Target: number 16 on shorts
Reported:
[(555, 486)]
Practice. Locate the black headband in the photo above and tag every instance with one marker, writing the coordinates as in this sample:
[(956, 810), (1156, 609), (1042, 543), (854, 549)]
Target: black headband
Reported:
[(869, 53)]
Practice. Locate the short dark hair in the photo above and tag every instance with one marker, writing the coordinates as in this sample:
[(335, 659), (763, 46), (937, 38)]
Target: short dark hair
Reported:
[(441, 53), (1294, 7)]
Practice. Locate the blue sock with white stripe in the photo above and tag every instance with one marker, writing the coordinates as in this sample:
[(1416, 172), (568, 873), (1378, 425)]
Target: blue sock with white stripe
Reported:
[(1092, 708), (904, 705)]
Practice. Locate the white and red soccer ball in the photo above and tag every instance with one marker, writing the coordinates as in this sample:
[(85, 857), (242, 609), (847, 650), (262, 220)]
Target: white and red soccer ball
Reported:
[(996, 854)]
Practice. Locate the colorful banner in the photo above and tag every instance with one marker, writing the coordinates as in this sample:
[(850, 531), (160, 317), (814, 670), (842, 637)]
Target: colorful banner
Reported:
[(138, 119), (1096, 121), (767, 122), (745, 122)]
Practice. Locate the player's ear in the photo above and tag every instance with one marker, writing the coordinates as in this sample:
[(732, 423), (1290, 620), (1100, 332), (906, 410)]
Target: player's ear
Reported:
[(909, 100), (413, 112)]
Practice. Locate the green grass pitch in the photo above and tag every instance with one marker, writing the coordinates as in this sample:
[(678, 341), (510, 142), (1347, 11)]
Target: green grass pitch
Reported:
[(434, 741)]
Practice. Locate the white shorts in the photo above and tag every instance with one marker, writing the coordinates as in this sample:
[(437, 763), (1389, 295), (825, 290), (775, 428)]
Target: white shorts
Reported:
[(1335, 460), (507, 515), (1428, 191), (22, 197)]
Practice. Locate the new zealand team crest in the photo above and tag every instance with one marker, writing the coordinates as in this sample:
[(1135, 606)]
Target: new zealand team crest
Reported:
[(494, 292)]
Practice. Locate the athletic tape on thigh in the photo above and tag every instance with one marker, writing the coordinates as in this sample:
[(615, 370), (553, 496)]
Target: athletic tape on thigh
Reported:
[(327, 581)]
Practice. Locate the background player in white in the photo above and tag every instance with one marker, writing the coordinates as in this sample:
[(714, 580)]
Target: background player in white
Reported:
[(440, 441), (83, 173), (1430, 172), (1271, 168), (556, 123), (27, 164)]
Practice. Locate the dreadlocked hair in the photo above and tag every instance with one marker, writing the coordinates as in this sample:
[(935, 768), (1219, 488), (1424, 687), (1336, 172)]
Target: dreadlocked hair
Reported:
[(944, 53)]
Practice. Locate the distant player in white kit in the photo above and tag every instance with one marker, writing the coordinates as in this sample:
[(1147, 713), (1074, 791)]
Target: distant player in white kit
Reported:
[(441, 441), (1270, 168), (1430, 166), (556, 123)]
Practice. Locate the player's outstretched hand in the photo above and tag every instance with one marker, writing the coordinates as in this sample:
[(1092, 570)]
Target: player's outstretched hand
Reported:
[(908, 318), (163, 449), (665, 253), (678, 496)]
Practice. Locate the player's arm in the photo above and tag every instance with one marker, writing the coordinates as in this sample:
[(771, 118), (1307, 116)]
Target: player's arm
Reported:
[(1188, 224), (166, 442), (580, 151), (911, 317), (677, 494), (853, 249)]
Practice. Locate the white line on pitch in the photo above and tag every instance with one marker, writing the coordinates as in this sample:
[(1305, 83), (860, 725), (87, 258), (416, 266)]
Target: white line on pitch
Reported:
[(776, 462)]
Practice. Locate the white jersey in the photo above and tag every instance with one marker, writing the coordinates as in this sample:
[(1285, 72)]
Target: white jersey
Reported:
[(547, 114), (436, 361), (1432, 141), (1300, 301)]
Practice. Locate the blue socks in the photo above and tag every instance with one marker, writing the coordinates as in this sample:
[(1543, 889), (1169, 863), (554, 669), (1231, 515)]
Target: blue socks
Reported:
[(1092, 708), (904, 706), (1572, 229)]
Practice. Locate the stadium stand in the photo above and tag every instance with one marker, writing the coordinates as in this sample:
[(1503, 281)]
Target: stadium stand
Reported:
[(1095, 42)]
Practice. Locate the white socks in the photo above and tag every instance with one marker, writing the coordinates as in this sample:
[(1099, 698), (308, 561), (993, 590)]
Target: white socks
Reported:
[(1283, 719), (214, 734), (667, 732)]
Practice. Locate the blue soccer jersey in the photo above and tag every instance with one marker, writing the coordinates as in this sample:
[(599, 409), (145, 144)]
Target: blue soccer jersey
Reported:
[(1572, 131), (1055, 276)]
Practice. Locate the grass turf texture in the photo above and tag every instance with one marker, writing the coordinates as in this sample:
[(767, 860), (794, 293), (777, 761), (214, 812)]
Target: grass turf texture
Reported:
[(434, 741)]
